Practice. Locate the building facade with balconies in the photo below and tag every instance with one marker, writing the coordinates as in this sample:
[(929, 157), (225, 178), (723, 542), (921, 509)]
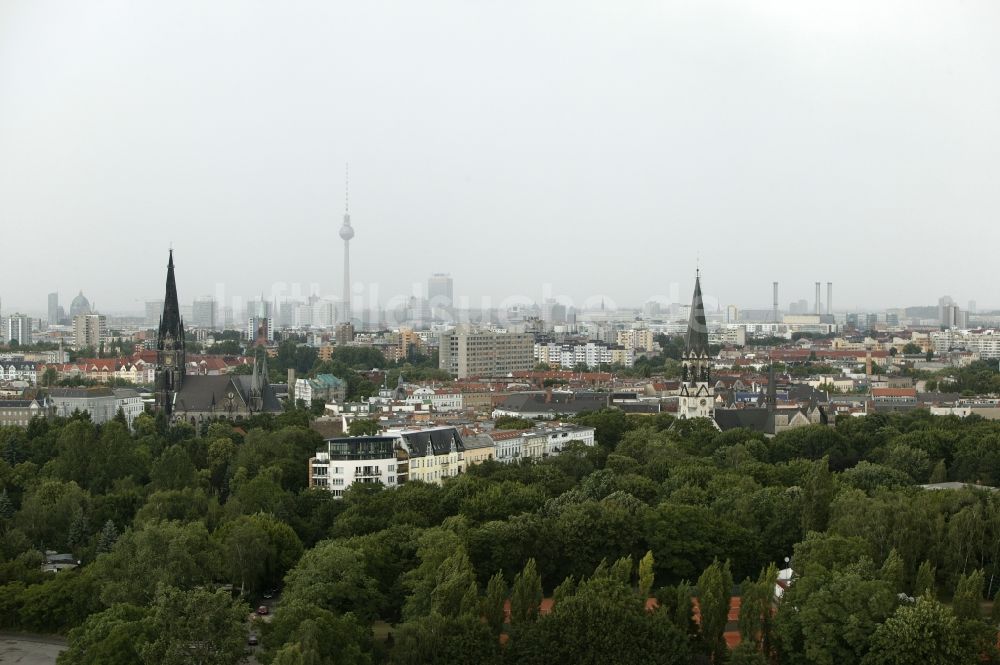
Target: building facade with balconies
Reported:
[(358, 459)]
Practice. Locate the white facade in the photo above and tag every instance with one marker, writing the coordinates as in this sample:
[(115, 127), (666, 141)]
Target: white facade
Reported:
[(354, 460), (591, 354), (985, 343), (18, 329), (440, 401)]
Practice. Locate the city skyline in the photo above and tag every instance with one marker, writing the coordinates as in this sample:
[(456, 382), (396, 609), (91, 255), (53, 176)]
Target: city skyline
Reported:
[(777, 142)]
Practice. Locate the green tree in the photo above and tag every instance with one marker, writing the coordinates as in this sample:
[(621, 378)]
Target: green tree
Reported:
[(925, 583), (246, 549), (456, 592), (114, 636), (173, 470), (817, 494), (926, 633), (646, 574), (445, 640), (967, 602), (362, 427), (493, 603), (603, 623), (940, 473), (157, 553), (894, 571), (526, 596), (336, 578), (196, 626), (107, 537), (714, 587), (342, 639)]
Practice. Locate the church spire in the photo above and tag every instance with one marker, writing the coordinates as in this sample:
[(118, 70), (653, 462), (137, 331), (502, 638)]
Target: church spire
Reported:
[(170, 358), (170, 322), (696, 341)]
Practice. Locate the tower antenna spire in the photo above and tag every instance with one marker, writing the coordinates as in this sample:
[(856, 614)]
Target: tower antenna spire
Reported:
[(347, 188)]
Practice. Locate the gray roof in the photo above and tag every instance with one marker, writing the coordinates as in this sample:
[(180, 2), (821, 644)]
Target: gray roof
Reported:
[(81, 392), (477, 441), (440, 441), (205, 393), (555, 402)]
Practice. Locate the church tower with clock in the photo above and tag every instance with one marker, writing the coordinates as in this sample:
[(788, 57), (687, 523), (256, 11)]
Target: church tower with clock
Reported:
[(170, 359), (697, 396)]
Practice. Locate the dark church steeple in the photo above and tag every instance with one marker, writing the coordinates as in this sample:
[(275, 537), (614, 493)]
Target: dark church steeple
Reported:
[(170, 358), (696, 342), (697, 398)]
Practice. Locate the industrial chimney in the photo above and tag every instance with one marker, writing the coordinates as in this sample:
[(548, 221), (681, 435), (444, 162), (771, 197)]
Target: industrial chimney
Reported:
[(775, 302), (829, 298), (817, 299)]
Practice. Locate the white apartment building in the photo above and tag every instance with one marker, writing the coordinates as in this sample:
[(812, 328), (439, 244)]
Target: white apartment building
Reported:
[(985, 343), (591, 354), (359, 459)]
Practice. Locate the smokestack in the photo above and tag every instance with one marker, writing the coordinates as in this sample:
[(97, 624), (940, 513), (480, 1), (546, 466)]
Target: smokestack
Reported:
[(775, 302), (829, 297), (817, 298)]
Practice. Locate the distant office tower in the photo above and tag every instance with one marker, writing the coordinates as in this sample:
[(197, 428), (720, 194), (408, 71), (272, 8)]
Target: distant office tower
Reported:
[(440, 291), (943, 301), (260, 308), (203, 313), (153, 310), (952, 316), (53, 309), (18, 329), (286, 313), (554, 312), (90, 330), (829, 297), (971, 308), (465, 353), (79, 306), (733, 313), (346, 233)]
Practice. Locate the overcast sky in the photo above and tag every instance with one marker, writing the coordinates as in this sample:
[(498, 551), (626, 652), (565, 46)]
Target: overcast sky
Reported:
[(600, 148)]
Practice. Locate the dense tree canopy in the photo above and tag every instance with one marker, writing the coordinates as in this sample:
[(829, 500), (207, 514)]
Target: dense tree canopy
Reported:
[(527, 562)]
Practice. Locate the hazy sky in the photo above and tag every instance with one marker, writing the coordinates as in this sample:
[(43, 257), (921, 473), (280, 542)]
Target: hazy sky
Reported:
[(597, 147)]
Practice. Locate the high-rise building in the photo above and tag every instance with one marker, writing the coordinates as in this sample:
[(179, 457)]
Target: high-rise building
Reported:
[(203, 313), (90, 330), (53, 309), (18, 329), (464, 353), (346, 233), (440, 295)]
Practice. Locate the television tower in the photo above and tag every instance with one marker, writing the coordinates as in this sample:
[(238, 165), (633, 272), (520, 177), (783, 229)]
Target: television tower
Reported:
[(346, 233)]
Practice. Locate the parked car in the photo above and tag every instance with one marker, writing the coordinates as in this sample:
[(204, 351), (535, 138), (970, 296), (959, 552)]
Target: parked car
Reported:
[(262, 610), (252, 640)]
